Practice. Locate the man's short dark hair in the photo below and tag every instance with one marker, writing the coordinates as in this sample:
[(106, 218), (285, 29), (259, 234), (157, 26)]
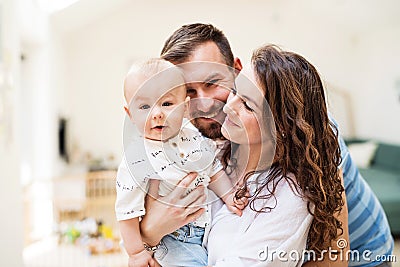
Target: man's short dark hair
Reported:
[(180, 45)]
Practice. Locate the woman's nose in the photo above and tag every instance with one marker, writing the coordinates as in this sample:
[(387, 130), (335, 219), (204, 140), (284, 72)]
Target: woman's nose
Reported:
[(231, 104)]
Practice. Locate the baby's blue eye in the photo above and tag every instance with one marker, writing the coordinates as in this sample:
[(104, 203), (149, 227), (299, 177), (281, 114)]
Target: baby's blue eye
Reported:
[(145, 106)]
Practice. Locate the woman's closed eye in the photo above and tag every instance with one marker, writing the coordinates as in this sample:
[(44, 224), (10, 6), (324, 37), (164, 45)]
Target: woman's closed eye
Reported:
[(246, 106), (244, 102)]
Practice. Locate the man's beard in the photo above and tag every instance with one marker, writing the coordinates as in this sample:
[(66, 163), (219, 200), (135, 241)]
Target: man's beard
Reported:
[(211, 130)]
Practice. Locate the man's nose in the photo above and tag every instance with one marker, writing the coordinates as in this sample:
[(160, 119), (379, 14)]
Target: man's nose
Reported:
[(204, 104)]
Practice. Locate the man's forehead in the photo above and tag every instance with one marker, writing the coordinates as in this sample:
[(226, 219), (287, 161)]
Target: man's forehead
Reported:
[(207, 51), (202, 71)]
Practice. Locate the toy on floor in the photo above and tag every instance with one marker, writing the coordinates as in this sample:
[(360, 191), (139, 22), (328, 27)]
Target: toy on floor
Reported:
[(93, 235)]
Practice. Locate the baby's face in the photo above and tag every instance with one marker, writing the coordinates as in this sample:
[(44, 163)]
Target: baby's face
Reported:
[(159, 118)]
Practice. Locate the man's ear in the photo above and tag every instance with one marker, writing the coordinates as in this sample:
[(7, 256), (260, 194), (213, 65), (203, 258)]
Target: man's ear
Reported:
[(237, 65)]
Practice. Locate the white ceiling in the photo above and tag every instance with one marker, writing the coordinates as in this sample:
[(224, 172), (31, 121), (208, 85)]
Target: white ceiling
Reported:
[(358, 15), (83, 12)]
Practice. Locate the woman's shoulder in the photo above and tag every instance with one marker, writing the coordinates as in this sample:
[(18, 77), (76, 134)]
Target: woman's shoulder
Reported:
[(276, 186), (279, 200)]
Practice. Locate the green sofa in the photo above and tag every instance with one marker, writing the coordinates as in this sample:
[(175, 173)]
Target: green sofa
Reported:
[(383, 176)]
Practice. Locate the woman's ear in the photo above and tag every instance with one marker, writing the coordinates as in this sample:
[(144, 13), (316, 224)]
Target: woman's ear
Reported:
[(237, 65)]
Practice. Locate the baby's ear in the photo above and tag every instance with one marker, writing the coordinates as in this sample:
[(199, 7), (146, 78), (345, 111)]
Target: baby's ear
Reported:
[(127, 112)]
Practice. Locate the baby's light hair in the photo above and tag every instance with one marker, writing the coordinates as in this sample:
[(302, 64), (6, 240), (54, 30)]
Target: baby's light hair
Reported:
[(151, 66), (147, 69)]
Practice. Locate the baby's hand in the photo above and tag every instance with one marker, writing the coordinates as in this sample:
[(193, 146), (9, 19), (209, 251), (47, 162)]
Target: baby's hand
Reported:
[(141, 259), (235, 205)]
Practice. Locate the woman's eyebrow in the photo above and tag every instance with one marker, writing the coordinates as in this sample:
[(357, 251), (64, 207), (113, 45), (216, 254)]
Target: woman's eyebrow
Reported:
[(249, 99)]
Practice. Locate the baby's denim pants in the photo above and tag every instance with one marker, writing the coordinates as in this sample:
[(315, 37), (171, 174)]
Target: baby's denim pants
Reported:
[(182, 248)]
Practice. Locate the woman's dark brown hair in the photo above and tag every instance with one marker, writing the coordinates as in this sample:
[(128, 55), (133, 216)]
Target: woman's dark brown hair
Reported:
[(306, 141)]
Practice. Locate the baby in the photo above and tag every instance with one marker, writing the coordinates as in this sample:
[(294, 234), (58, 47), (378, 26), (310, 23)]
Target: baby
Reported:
[(166, 147)]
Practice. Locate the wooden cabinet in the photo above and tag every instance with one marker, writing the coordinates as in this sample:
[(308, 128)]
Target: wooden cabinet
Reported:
[(85, 195)]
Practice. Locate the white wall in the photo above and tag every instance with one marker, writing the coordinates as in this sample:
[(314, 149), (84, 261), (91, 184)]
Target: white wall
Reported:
[(10, 190), (39, 129), (378, 102), (352, 43)]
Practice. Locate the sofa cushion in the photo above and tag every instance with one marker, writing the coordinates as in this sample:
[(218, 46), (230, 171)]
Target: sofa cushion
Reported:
[(386, 185), (387, 157), (362, 153)]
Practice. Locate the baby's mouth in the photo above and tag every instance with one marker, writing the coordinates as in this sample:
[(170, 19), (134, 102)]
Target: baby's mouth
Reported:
[(159, 127)]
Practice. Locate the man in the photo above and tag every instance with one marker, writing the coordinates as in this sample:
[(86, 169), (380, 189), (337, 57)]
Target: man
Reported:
[(204, 43), (369, 232)]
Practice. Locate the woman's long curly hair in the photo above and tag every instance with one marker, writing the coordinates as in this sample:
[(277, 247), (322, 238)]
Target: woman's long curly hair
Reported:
[(306, 141)]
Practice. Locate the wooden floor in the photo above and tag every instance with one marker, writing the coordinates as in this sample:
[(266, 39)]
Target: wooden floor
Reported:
[(48, 253), (396, 252)]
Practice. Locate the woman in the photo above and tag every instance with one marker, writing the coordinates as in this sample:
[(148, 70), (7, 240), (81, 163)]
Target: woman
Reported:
[(295, 199), (303, 178)]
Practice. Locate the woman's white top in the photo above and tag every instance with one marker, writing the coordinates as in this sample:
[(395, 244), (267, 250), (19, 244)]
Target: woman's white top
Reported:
[(274, 238)]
